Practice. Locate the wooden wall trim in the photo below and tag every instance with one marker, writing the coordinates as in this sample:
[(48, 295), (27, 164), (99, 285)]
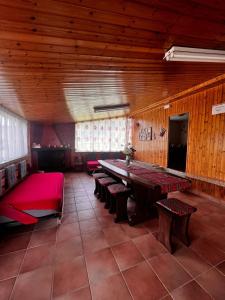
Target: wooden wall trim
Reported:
[(219, 183), (207, 84)]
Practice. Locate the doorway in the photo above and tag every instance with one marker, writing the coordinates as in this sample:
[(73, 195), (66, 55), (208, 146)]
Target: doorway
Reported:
[(177, 142)]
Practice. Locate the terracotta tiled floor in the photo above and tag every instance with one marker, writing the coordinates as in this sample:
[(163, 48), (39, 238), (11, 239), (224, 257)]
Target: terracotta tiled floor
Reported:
[(90, 257)]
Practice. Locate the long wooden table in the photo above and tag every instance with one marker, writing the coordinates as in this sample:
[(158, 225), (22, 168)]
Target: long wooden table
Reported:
[(148, 185)]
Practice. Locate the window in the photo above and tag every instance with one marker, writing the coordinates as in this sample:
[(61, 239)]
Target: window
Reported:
[(13, 136), (102, 135)]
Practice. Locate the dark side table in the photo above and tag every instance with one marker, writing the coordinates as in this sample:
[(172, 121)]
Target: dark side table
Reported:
[(174, 216)]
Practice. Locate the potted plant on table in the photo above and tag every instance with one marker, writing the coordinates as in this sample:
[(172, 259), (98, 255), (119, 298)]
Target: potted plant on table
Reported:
[(129, 152)]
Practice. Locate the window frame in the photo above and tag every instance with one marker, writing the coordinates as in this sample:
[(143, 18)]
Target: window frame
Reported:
[(127, 133), (25, 123)]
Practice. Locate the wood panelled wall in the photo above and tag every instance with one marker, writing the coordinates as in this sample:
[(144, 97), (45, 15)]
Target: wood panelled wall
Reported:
[(206, 135)]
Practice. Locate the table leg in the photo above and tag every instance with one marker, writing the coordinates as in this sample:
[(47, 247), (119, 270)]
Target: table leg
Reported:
[(165, 230), (144, 198)]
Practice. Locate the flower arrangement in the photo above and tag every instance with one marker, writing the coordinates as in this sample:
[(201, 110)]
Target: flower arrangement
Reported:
[(129, 152)]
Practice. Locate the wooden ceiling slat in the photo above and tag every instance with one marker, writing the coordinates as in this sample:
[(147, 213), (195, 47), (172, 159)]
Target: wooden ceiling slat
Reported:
[(7, 35), (68, 23), (158, 9), (76, 11), (79, 34), (59, 58), (164, 25)]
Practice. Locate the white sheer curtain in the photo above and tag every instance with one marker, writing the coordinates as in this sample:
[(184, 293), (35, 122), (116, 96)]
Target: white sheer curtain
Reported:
[(13, 136), (102, 135)]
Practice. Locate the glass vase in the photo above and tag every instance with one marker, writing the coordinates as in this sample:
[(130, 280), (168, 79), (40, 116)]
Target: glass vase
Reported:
[(128, 159)]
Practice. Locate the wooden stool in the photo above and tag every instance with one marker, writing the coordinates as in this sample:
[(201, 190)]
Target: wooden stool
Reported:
[(119, 194), (174, 216), (103, 183), (97, 176)]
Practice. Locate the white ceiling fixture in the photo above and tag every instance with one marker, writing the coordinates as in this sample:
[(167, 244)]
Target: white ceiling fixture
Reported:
[(102, 108), (194, 54)]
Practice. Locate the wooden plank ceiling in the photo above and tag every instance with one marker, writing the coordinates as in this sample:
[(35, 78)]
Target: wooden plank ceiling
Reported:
[(59, 58)]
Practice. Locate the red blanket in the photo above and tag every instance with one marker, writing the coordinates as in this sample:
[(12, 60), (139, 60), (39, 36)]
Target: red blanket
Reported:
[(38, 191)]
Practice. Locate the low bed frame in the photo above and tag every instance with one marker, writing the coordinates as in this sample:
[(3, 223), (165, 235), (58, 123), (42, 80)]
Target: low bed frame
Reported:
[(24, 198)]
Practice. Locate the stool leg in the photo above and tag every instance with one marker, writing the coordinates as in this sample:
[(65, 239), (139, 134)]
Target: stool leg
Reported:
[(101, 193), (121, 208), (112, 204), (104, 191), (107, 199), (180, 229), (165, 230), (96, 187)]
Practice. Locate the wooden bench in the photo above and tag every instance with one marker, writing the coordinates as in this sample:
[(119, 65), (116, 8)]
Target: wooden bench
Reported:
[(174, 216)]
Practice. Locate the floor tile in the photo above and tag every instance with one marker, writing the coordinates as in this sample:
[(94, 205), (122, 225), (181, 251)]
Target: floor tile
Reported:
[(34, 285), (10, 264), (83, 206), (81, 199), (152, 225), (149, 246), (86, 214), (81, 294), (70, 218), (6, 287), (96, 203), (214, 283), (101, 211), (192, 291), (204, 248), (68, 249), (89, 226), (37, 257), (69, 205), (221, 267), (134, 231), (69, 208), (46, 223), (94, 241), (80, 193), (69, 200), (198, 229), (62, 248), (115, 235), (67, 231), (218, 240), (126, 255), (101, 264), (43, 237), (14, 243), (69, 275), (167, 297), (143, 283), (107, 221), (110, 288), (169, 271), (193, 263)]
